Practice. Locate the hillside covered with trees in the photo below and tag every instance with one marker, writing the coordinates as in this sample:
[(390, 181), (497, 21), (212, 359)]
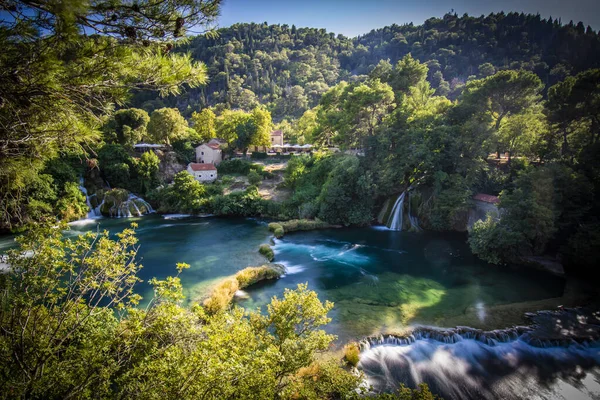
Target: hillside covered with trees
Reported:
[(289, 68)]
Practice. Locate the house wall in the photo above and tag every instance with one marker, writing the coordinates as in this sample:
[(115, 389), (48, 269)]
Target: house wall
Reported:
[(203, 176), (207, 155), (277, 140)]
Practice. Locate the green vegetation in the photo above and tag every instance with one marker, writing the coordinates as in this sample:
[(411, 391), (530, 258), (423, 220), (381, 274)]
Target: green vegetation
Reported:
[(351, 353), (304, 225), (74, 64), (277, 229), (266, 251), (223, 293), (289, 68)]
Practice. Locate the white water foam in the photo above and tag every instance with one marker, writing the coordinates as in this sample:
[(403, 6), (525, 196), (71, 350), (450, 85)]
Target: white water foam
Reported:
[(176, 216), (465, 368)]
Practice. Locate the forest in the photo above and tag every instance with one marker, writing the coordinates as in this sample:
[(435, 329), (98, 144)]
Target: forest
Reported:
[(506, 104)]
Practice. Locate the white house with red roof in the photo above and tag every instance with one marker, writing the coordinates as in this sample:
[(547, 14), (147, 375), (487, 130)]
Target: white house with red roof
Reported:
[(209, 153), (202, 172)]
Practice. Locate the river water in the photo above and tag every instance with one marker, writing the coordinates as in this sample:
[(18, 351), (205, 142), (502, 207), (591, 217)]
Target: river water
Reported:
[(381, 281)]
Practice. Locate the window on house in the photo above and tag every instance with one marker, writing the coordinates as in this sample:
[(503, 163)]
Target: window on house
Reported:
[(202, 153)]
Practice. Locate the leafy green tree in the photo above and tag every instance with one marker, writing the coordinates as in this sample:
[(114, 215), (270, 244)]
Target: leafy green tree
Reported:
[(116, 165), (147, 169), (127, 127), (519, 133), (505, 93), (72, 204), (166, 125), (204, 123), (186, 194), (407, 72), (347, 195), (354, 112), (75, 62)]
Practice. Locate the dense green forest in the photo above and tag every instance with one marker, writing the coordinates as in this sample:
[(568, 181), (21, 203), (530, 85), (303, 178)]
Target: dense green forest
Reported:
[(289, 69)]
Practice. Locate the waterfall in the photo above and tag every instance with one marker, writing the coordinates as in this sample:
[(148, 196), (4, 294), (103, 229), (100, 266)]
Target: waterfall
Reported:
[(414, 221), (466, 363), (130, 208), (396, 216), (93, 212)]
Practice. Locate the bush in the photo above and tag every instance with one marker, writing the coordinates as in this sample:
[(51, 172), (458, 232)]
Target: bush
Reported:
[(223, 293), (279, 232), (273, 226), (254, 178), (257, 155), (352, 353), (234, 166), (266, 251), (221, 296), (304, 225), (251, 275)]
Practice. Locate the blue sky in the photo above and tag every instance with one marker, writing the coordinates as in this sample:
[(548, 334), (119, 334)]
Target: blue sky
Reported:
[(354, 17)]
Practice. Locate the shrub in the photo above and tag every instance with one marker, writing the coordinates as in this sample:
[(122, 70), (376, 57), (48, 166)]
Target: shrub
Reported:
[(274, 226), (266, 251), (279, 232), (257, 155), (234, 166), (254, 178), (221, 296), (251, 275), (351, 353), (304, 225), (223, 293)]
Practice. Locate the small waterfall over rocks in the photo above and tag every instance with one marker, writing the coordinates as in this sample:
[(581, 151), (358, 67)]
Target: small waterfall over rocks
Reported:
[(118, 203), (395, 220), (557, 357), (94, 212)]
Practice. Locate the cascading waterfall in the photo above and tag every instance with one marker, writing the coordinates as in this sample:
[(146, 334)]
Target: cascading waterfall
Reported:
[(414, 221), (396, 219), (397, 214), (93, 212), (114, 206), (131, 208), (467, 363)]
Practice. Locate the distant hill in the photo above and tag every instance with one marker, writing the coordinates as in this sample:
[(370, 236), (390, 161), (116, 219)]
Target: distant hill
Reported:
[(289, 68)]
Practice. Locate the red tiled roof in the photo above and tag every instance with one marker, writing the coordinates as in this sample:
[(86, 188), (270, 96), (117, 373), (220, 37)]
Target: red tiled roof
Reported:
[(488, 198), (276, 133), (202, 167), (213, 146)]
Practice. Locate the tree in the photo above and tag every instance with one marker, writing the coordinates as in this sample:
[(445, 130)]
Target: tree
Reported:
[(166, 125), (127, 127), (520, 132), (204, 124), (505, 93), (186, 194), (147, 168), (70, 78), (407, 72), (347, 195), (354, 112)]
